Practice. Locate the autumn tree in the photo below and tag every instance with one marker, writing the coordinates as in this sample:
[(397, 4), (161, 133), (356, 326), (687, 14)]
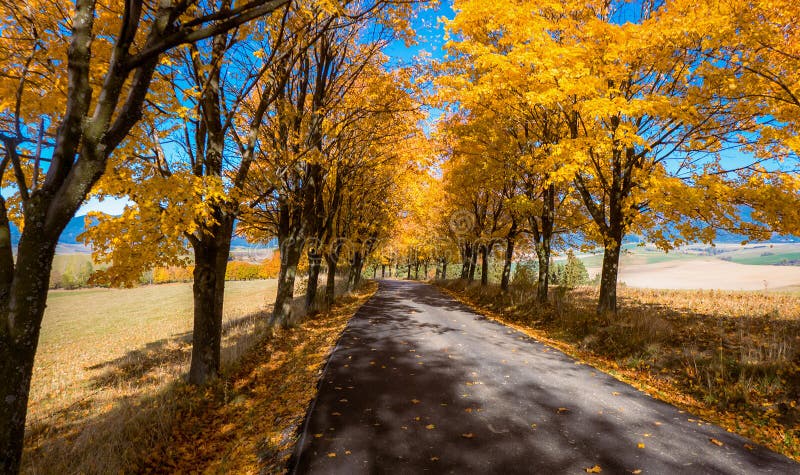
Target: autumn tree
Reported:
[(83, 72), (186, 176), (636, 125)]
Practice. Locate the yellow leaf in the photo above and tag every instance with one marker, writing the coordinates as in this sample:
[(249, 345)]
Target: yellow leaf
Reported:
[(430, 426), (595, 469)]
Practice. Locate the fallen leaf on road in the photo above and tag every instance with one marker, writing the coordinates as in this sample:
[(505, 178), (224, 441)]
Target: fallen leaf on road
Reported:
[(562, 410), (615, 393), (336, 413), (716, 442), (430, 426), (415, 401), (640, 445), (468, 435), (317, 435), (637, 471), (434, 459), (748, 446), (332, 454), (595, 469), (347, 452)]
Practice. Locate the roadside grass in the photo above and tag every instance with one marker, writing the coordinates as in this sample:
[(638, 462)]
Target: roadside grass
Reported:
[(730, 357), (103, 351)]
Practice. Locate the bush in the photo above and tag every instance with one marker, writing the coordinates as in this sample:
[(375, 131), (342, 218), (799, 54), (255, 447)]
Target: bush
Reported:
[(571, 274), (242, 271), (164, 275), (271, 266)]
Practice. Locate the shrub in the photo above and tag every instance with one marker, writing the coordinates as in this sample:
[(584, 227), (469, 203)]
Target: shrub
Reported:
[(271, 266)]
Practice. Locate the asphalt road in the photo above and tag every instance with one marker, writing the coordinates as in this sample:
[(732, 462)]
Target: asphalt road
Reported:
[(420, 383)]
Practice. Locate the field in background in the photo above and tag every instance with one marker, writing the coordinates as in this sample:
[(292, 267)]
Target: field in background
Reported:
[(724, 267), (102, 348)]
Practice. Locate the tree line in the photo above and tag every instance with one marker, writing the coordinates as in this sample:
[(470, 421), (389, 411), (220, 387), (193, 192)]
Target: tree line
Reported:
[(580, 123), (283, 115)]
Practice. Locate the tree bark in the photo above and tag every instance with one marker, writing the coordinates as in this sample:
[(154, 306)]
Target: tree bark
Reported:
[(506, 278), (21, 310), (607, 302), (355, 270), (290, 257), (485, 251), (416, 270), (408, 276), (383, 271), (466, 256), (314, 263), (444, 269), (473, 264), (211, 253), (330, 281)]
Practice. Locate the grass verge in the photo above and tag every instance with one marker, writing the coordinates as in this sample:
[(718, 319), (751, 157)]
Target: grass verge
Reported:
[(247, 422), (108, 393), (732, 358)]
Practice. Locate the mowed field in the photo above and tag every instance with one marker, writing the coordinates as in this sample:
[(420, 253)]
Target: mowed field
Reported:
[(733, 268), (99, 347)]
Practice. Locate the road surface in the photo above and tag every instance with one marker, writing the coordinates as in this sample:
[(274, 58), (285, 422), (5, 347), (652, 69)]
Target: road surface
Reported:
[(419, 383)]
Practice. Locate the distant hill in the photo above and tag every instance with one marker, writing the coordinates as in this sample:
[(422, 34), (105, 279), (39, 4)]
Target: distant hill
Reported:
[(69, 238)]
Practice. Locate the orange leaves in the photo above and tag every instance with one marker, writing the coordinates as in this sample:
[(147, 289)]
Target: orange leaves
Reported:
[(593, 469)]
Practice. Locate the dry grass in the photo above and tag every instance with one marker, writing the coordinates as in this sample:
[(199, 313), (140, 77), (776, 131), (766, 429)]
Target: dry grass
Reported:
[(733, 357), (102, 352)]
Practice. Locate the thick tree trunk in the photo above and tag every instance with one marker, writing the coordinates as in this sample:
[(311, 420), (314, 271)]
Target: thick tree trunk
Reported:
[(211, 261), (22, 304), (355, 271), (408, 276), (314, 263), (425, 269), (607, 302), (506, 278), (290, 257), (330, 281), (416, 270), (383, 271), (485, 251), (444, 269)]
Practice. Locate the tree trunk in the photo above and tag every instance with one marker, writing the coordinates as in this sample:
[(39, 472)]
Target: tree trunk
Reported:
[(211, 253), (22, 304), (607, 302), (543, 283), (473, 264), (290, 257), (485, 251), (314, 263), (375, 272), (383, 271), (466, 256), (506, 278), (330, 281), (425, 269), (416, 270), (355, 271), (408, 276), (444, 269)]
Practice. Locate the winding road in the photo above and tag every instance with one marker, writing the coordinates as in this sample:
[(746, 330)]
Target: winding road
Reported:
[(419, 383)]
